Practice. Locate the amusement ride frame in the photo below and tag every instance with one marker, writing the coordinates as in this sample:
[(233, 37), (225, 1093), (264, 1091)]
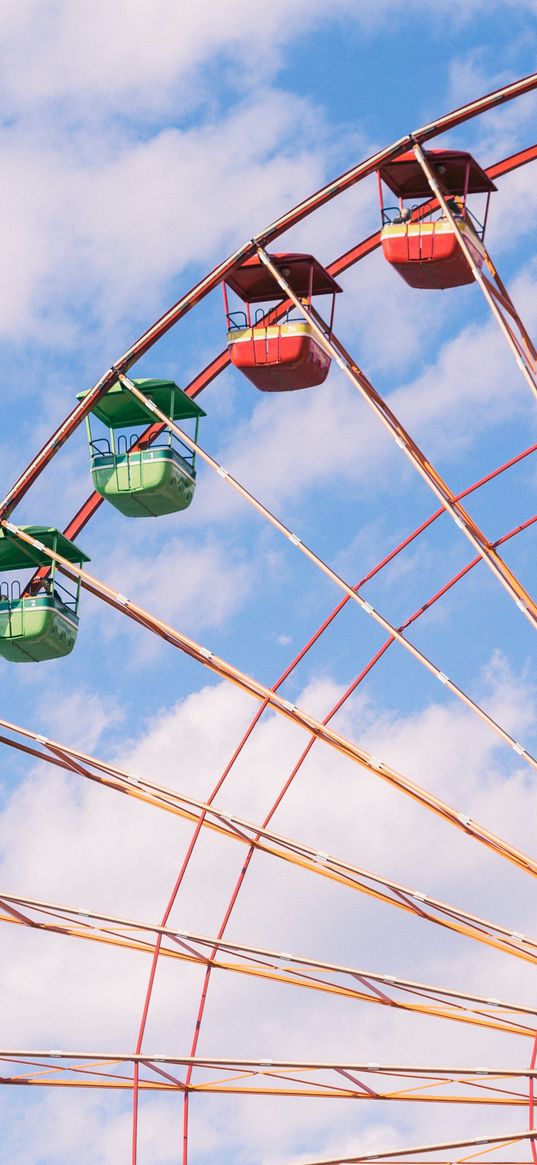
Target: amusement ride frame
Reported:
[(141, 1072)]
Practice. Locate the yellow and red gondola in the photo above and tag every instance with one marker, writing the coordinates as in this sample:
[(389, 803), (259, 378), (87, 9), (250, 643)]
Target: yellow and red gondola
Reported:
[(420, 242), (278, 355)]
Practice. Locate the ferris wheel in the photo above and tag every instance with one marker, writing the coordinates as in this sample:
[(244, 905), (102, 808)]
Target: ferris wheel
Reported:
[(145, 439)]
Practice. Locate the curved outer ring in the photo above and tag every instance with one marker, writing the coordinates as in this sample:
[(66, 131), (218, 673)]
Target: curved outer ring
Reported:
[(194, 296)]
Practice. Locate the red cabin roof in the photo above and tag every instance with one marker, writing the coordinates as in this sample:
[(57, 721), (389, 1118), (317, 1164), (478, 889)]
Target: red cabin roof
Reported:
[(253, 282), (406, 179)]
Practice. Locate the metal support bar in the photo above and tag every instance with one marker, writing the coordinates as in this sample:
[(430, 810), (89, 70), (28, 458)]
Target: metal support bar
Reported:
[(524, 351), (444, 1146)]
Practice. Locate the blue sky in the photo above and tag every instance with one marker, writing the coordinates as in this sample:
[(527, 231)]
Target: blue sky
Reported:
[(140, 145)]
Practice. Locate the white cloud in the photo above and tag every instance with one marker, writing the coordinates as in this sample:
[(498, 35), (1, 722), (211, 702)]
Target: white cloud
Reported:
[(102, 216), (67, 1128), (126, 57), (88, 846), (82, 715), (134, 57), (193, 583), (104, 230)]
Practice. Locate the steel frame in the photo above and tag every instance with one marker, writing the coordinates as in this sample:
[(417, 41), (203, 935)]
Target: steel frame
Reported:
[(279, 1078), (167, 321)]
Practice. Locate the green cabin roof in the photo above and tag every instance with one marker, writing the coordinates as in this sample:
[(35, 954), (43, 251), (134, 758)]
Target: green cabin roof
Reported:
[(119, 408), (16, 554)]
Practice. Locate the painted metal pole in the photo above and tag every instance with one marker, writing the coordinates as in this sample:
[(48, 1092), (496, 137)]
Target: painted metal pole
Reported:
[(522, 347), (439, 1146)]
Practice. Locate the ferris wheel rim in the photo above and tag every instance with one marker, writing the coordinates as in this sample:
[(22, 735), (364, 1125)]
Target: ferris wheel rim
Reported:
[(516, 89), (498, 97)]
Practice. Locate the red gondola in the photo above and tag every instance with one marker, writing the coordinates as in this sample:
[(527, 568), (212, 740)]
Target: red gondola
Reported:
[(423, 247), (278, 352)]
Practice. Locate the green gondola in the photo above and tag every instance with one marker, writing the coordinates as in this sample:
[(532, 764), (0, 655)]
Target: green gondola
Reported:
[(40, 622), (151, 480)]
